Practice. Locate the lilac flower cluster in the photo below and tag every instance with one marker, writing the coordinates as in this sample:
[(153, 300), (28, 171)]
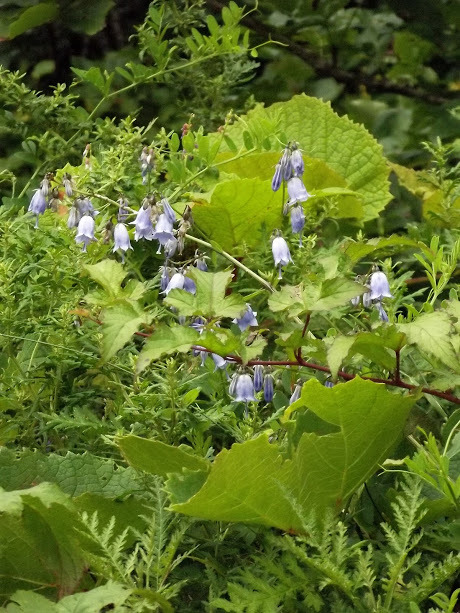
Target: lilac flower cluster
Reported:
[(379, 288), (40, 201)]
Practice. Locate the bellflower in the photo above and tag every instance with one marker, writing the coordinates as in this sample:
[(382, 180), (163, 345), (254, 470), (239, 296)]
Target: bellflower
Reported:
[(143, 224), (285, 163), (45, 186), (164, 279), (176, 282), (328, 383), (382, 314), (85, 232), (86, 207), (244, 389), (121, 238), (281, 253), (367, 300), (297, 191), (379, 286), (201, 264), (68, 185), (37, 204), (297, 161), (247, 319), (168, 210), (189, 285), (277, 178), (163, 229), (296, 393), (297, 219), (74, 217), (232, 386), (170, 248), (355, 301), (268, 388), (219, 361), (258, 377)]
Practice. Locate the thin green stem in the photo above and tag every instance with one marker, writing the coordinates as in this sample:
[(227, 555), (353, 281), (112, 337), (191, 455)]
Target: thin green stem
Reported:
[(233, 260)]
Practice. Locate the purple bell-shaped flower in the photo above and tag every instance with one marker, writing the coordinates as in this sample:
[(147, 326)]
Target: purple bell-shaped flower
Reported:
[(281, 254), (277, 178), (268, 388), (176, 282), (297, 191), (189, 285), (168, 210), (163, 230), (258, 377), (247, 319), (297, 161), (85, 233), (219, 362), (121, 238), (244, 389), (143, 224), (379, 286), (296, 393), (37, 204)]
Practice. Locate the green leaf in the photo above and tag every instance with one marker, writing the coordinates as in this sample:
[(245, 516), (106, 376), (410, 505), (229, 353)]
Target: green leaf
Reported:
[(431, 333), (166, 340), (158, 458), (94, 76), (337, 352), (336, 292), (237, 211), (356, 251), (288, 298), (87, 17), (75, 474), (210, 299), (111, 595), (253, 482), (109, 274), (120, 322), (38, 540), (32, 17), (347, 148)]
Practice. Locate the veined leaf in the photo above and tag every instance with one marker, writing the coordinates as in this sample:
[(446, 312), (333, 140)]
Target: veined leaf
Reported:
[(158, 458), (109, 274), (165, 340), (253, 482), (431, 333), (120, 322)]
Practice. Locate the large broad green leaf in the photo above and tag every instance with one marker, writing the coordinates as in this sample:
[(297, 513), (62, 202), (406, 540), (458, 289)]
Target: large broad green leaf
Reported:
[(237, 212), (254, 482), (367, 344), (210, 299), (32, 17), (87, 17), (120, 322), (347, 148), (431, 332), (158, 458), (75, 474), (38, 541), (166, 340), (322, 296), (109, 596), (109, 274)]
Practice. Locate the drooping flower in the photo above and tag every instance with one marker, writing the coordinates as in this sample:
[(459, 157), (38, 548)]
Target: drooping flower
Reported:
[(164, 279), (74, 217), (37, 204), (296, 190), (367, 300), (189, 285), (68, 185), (244, 389), (232, 386), (355, 301), (168, 210), (277, 178), (258, 377), (85, 233), (281, 254), (201, 264), (268, 388), (121, 238), (296, 393), (45, 184), (176, 282), (85, 206), (170, 248), (297, 220), (382, 314), (143, 224), (219, 361), (379, 286), (285, 163), (328, 383), (297, 161), (163, 229), (247, 319)]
